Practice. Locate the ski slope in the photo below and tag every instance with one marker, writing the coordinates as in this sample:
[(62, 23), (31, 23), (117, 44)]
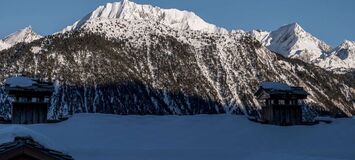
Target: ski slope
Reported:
[(207, 137)]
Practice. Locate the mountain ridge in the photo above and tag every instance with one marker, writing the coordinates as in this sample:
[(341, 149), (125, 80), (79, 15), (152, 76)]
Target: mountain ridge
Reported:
[(142, 66), (128, 10), (292, 41), (166, 71), (341, 59), (25, 35)]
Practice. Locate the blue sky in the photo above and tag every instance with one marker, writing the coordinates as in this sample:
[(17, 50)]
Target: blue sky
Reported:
[(330, 20)]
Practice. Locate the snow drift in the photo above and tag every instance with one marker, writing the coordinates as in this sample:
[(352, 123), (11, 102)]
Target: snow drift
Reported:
[(96, 136)]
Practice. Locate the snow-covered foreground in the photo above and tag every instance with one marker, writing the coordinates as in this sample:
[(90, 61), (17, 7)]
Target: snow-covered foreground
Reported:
[(217, 137)]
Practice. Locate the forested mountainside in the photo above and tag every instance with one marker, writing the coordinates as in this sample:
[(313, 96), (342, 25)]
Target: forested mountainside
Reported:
[(140, 67)]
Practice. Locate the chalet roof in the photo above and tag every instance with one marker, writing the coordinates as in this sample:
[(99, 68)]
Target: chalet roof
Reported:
[(277, 88), (20, 144), (22, 83)]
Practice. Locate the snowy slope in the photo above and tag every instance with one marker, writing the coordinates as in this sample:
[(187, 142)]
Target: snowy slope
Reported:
[(343, 57), (261, 36), (171, 71), (25, 35), (293, 41), (180, 20), (3, 45), (205, 137)]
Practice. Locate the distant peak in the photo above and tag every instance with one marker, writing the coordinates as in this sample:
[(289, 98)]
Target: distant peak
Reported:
[(292, 40), (124, 1), (28, 28), (24, 29), (294, 26), (23, 35)]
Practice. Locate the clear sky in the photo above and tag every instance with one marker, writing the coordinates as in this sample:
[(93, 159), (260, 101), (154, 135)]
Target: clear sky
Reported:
[(330, 20)]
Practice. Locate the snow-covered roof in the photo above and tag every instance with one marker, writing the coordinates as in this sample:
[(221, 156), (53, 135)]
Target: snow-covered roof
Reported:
[(27, 146), (276, 86), (19, 81), (9, 133), (23, 83)]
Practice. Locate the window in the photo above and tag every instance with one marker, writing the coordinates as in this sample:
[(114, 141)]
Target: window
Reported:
[(35, 99), (23, 99), (294, 102), (46, 99), (300, 102), (262, 102), (12, 98), (281, 101)]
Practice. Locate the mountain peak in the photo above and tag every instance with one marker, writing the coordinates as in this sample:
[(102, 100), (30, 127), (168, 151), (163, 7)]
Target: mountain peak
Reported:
[(293, 41), (293, 27), (28, 28), (23, 35), (130, 11), (342, 59), (125, 1)]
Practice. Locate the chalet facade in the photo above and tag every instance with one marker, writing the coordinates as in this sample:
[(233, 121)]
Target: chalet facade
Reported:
[(280, 104), (30, 99)]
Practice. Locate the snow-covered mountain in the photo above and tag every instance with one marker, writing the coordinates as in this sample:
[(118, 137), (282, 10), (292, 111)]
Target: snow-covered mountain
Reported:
[(293, 41), (25, 35), (124, 59), (180, 20), (341, 59), (139, 67)]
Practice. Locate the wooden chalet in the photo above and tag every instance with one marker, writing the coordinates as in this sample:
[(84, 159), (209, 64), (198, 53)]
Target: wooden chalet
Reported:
[(25, 148), (281, 104), (30, 99)]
